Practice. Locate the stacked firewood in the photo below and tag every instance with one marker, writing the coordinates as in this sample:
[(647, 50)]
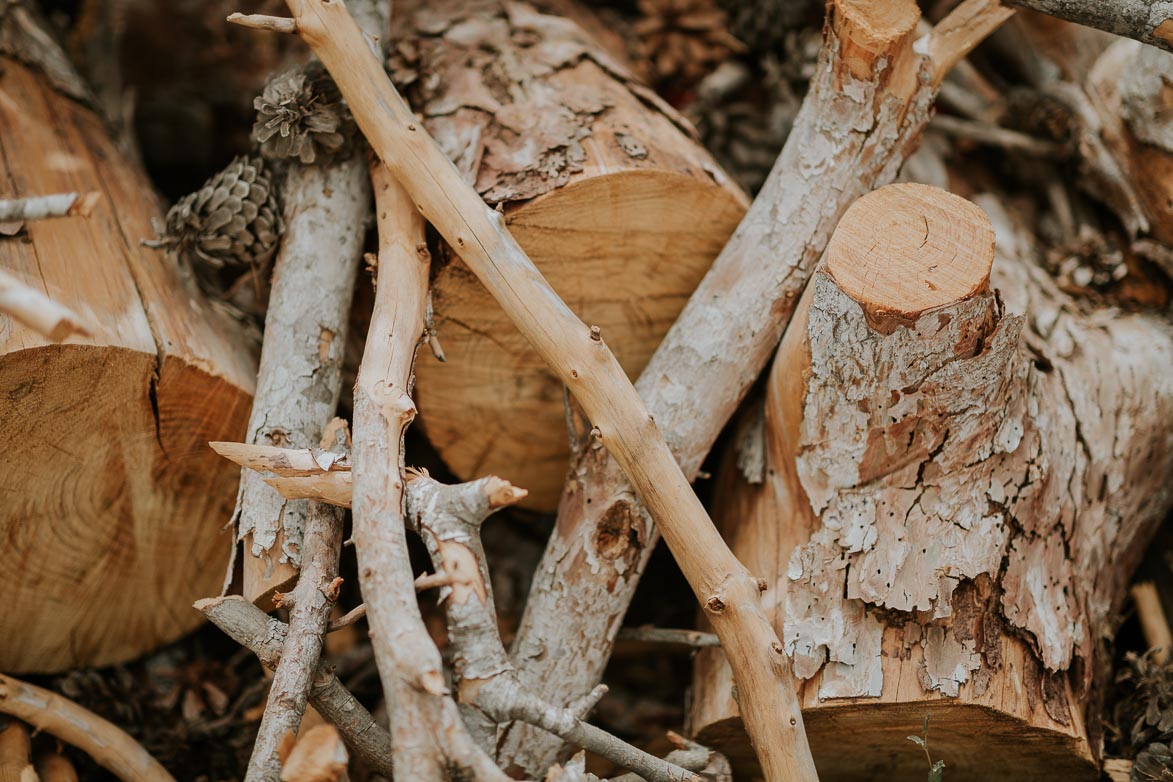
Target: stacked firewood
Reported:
[(896, 280)]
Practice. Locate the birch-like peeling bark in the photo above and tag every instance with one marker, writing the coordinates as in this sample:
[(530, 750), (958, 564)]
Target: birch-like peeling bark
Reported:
[(958, 490), (868, 103), (581, 359)]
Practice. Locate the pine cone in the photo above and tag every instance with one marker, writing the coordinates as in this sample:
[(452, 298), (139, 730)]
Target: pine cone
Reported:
[(684, 39), (1155, 762), (301, 115), (232, 221)]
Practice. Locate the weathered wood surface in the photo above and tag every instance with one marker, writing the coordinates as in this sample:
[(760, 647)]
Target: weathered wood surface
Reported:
[(954, 498), (112, 503), (602, 184)]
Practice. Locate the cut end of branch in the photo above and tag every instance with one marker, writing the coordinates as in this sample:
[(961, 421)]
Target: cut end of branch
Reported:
[(502, 493), (869, 31), (276, 24), (908, 248)]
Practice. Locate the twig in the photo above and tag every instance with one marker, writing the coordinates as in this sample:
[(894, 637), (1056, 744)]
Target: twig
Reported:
[(994, 136), (960, 32), (264, 636), (661, 635), (55, 205), (34, 309), (429, 740), (449, 520), (110, 747), (1153, 623), (313, 598), (422, 584), (867, 106), (14, 754), (713, 766), (583, 362), (276, 24), (1148, 21)]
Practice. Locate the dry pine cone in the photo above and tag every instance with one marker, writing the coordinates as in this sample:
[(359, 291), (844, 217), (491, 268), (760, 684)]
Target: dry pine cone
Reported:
[(300, 115), (233, 220), (684, 39)]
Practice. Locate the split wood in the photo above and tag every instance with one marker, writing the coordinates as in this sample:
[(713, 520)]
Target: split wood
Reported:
[(109, 746), (265, 636), (867, 106), (580, 357)]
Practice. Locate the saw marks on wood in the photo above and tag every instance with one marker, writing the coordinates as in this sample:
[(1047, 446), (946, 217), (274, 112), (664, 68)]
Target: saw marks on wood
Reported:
[(111, 503)]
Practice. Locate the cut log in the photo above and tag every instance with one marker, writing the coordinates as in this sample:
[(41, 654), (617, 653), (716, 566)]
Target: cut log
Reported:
[(958, 483), (605, 189), (112, 502)]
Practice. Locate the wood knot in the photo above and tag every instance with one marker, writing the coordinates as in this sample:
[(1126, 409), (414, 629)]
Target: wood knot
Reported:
[(777, 647), (715, 605), (596, 334), (763, 585)]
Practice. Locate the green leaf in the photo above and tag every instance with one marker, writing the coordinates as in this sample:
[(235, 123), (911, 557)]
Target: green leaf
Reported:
[(937, 772), (917, 740)]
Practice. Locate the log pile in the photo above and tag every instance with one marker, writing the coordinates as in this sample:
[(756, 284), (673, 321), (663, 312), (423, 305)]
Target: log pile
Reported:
[(928, 368)]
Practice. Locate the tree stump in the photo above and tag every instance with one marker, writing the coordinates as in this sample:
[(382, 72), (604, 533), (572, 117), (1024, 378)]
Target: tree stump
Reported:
[(112, 503), (957, 484), (602, 184)]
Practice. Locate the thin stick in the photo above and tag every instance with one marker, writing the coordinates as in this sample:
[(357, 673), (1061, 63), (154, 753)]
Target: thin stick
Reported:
[(109, 746), (275, 24), (34, 309), (994, 136), (449, 520), (313, 597), (264, 636), (662, 635), (582, 360), (964, 28), (1148, 21), (1153, 623), (41, 207)]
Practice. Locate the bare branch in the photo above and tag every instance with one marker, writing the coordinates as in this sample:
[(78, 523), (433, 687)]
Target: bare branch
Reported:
[(264, 636), (276, 24), (109, 746), (1148, 21), (660, 635), (37, 311), (41, 207)]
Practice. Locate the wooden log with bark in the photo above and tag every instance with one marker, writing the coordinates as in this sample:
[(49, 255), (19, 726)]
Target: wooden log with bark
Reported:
[(868, 104), (112, 504), (603, 185), (962, 470)]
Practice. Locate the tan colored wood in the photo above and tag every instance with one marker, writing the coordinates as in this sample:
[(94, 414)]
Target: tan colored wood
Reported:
[(113, 504), (604, 188), (15, 765), (919, 473), (581, 359), (1153, 623), (108, 745)]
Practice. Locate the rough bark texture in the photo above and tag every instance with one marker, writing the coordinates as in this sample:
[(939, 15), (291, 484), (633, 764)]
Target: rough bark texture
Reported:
[(1132, 87), (581, 359), (852, 134), (953, 508), (1148, 21), (108, 529), (603, 186), (312, 599), (300, 377)]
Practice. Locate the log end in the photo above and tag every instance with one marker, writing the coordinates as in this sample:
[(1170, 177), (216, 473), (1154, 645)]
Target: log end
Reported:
[(905, 249)]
